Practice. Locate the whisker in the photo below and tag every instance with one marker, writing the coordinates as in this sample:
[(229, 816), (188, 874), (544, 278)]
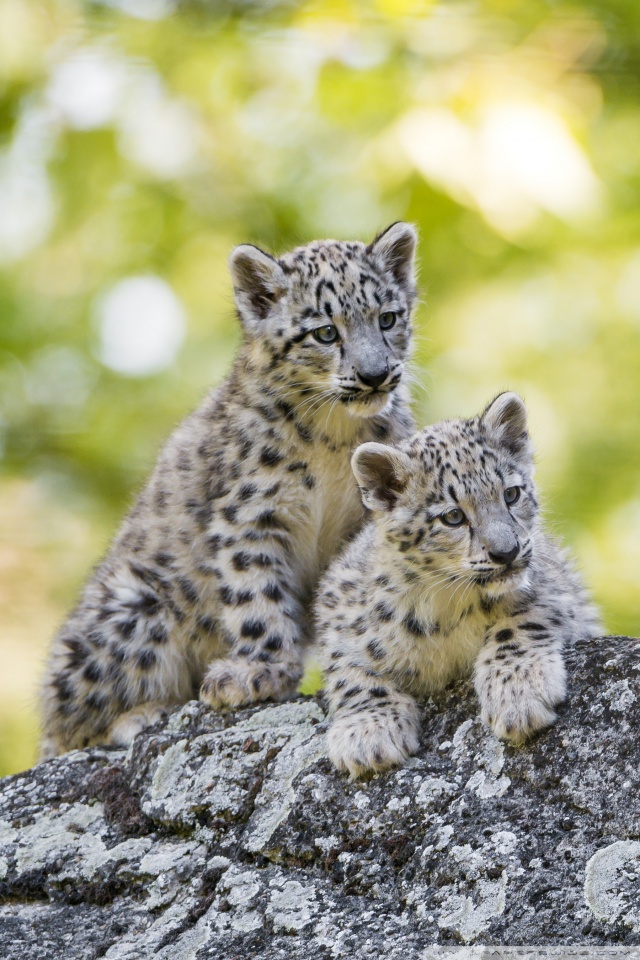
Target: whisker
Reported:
[(313, 402)]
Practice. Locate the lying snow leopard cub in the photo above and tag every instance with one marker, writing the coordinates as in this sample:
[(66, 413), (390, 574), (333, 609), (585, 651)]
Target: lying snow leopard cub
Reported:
[(453, 571), (208, 583)]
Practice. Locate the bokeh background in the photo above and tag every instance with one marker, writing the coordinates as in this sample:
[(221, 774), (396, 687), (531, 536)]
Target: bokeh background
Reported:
[(141, 139)]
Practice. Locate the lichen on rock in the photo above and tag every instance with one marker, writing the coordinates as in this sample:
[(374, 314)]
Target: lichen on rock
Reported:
[(228, 835)]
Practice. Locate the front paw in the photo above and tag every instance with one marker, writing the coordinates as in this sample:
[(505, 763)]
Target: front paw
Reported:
[(237, 683), (519, 721), (521, 703), (366, 742), (128, 725)]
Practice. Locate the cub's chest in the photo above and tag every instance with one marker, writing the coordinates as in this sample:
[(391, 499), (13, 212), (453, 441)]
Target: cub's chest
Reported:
[(331, 512), (437, 641)]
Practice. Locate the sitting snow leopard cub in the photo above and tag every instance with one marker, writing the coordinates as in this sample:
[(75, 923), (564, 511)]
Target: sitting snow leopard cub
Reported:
[(208, 583), (453, 571)]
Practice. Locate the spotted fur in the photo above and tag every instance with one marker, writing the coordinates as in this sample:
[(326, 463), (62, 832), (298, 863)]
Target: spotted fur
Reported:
[(207, 585), (453, 573)]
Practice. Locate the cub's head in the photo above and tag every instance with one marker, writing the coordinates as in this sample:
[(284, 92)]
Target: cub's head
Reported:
[(330, 320), (458, 499)]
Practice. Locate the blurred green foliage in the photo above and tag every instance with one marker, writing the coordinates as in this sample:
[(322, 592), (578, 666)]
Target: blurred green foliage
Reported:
[(144, 138)]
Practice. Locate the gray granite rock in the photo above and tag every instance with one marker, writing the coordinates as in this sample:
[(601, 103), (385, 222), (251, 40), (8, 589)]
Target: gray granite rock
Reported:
[(231, 836)]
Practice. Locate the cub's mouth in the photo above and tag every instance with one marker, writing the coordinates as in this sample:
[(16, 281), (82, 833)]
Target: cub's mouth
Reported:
[(357, 395), (506, 575), (369, 404)]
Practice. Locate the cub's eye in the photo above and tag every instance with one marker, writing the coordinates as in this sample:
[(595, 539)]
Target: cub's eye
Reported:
[(512, 495), (387, 320), (326, 334), (453, 518)]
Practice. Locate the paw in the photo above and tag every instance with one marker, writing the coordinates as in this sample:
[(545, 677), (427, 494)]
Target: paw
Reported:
[(520, 721), (128, 725), (366, 742), (517, 705), (236, 683)]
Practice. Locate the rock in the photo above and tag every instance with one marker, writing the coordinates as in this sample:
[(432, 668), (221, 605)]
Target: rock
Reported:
[(231, 836)]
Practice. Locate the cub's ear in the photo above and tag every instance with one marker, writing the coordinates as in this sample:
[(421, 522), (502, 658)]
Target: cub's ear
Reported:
[(258, 283), (505, 419), (382, 473), (394, 250)]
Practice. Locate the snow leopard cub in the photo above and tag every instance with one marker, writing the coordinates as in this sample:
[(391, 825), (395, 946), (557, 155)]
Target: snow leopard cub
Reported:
[(453, 571), (207, 585)]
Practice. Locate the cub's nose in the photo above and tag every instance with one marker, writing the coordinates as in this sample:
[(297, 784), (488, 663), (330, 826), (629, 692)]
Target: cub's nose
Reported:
[(373, 378), (504, 556)]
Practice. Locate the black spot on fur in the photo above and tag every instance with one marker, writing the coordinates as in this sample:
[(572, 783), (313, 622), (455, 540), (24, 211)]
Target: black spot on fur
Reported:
[(208, 624), (226, 595), (63, 688), (96, 701), (92, 672), (383, 612), (78, 653), (269, 521), (269, 457), (147, 659), (375, 651), (414, 626), (146, 603), (163, 559), (213, 544), (126, 628), (188, 589), (252, 628), (272, 592)]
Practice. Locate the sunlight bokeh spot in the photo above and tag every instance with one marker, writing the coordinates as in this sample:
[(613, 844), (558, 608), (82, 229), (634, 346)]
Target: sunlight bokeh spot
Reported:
[(86, 88), (142, 326), (156, 131), (529, 151), (518, 159), (26, 210), (142, 9)]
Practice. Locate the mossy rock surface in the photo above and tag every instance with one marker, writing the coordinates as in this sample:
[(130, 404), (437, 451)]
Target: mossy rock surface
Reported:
[(231, 836)]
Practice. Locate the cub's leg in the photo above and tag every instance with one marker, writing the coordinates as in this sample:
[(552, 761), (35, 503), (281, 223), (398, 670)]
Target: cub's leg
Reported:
[(262, 619), (118, 656), (520, 675), (373, 725)]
